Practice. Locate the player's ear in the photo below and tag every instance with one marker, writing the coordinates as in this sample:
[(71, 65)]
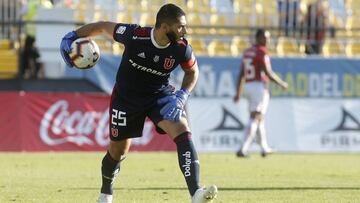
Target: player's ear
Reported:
[(165, 27)]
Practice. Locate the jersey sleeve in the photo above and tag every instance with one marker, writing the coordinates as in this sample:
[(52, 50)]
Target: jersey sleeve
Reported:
[(189, 58), (262, 58), (124, 32)]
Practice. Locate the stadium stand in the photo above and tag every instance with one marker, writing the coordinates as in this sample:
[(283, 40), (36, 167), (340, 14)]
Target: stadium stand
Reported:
[(287, 47), (198, 45), (238, 45), (218, 48), (232, 26), (353, 48), (243, 6), (8, 60), (147, 19), (218, 20), (196, 22), (333, 48), (198, 6)]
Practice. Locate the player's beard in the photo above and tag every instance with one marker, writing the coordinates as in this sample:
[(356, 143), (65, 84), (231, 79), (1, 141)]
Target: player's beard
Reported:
[(172, 37)]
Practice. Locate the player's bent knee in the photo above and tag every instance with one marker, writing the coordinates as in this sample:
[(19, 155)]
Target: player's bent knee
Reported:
[(256, 115), (119, 149), (174, 129)]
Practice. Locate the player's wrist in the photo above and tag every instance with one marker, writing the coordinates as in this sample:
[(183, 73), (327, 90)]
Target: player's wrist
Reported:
[(183, 94), (71, 36)]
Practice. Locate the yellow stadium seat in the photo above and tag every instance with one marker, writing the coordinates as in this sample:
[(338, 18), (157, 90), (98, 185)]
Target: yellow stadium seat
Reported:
[(336, 21), (260, 21), (147, 19), (272, 48), (287, 47), (124, 17), (8, 64), (196, 20), (333, 48), (269, 7), (151, 5), (198, 46), (259, 8), (243, 6), (244, 23), (352, 22), (219, 48), (238, 45), (198, 6), (355, 7), (179, 3), (353, 49), (117, 48), (133, 6), (104, 44), (218, 20), (5, 44)]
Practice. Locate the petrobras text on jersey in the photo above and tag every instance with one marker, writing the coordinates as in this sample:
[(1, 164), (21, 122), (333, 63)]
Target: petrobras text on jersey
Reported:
[(146, 69), (59, 126)]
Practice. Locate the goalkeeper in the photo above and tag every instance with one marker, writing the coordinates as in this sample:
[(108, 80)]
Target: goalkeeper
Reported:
[(142, 90)]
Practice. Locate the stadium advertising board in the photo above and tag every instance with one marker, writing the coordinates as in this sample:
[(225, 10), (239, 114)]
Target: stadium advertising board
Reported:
[(319, 111), (64, 122)]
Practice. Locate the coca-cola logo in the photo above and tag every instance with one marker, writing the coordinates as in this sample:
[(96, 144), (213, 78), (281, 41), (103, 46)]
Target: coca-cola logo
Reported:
[(59, 126)]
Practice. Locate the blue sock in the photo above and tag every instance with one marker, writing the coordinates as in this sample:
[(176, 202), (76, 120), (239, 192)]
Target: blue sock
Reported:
[(109, 169), (188, 161)]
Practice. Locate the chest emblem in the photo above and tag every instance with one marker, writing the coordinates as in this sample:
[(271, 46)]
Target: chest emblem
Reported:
[(156, 58), (169, 63), (142, 55)]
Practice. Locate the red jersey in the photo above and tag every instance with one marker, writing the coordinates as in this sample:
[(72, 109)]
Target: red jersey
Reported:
[(253, 58)]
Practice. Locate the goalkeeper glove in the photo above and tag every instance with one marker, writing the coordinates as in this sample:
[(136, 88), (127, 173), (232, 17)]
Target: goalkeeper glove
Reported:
[(174, 105), (65, 47)]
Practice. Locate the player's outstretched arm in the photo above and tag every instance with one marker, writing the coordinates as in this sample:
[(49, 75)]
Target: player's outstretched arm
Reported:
[(273, 76), (98, 28), (92, 29), (240, 85)]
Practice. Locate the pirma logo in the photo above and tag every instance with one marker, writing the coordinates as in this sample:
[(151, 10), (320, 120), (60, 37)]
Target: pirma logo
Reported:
[(346, 134), (228, 118), (348, 122), (226, 135)]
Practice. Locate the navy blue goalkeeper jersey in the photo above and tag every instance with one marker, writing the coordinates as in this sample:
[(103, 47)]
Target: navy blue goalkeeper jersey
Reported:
[(145, 67)]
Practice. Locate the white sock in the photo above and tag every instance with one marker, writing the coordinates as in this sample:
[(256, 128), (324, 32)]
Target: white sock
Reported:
[(262, 135), (250, 133)]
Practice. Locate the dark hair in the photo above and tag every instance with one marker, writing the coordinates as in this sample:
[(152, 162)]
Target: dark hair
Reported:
[(260, 33), (168, 13)]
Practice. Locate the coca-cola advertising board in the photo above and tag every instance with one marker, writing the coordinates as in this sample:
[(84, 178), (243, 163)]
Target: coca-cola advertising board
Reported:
[(64, 122)]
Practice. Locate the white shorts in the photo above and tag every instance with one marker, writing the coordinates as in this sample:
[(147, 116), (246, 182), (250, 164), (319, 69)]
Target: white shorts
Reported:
[(257, 95)]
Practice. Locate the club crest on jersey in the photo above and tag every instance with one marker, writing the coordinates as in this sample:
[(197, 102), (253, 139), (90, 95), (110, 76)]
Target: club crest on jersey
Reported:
[(156, 58), (169, 63), (114, 132), (121, 30)]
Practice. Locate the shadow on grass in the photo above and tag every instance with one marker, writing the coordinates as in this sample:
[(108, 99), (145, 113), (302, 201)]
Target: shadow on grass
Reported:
[(231, 188)]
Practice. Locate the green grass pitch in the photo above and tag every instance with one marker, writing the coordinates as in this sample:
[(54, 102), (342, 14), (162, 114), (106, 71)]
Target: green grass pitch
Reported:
[(156, 178)]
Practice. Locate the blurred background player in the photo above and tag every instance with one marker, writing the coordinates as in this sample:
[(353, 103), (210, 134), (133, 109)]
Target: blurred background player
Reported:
[(142, 90), (254, 79)]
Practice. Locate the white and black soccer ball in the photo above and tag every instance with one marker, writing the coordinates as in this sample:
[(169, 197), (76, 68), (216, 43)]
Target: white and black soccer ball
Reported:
[(84, 53)]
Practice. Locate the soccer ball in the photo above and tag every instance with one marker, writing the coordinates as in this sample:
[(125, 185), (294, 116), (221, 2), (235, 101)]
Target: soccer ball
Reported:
[(84, 53)]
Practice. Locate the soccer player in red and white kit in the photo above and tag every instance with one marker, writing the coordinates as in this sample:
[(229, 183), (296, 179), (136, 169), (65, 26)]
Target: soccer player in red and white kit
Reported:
[(254, 79)]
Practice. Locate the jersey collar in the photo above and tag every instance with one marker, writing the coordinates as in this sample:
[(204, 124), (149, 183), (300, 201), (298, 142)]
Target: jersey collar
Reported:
[(155, 43)]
